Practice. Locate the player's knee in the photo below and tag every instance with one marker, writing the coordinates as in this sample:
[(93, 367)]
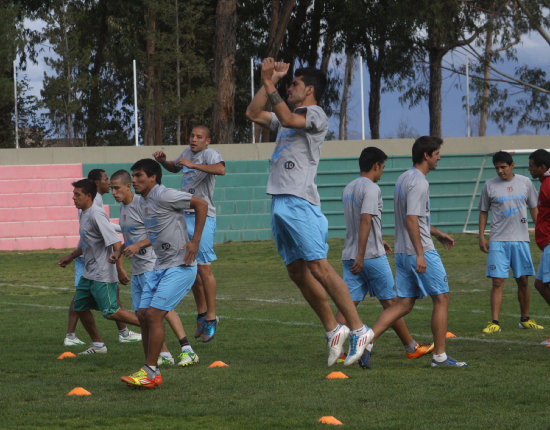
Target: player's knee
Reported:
[(320, 269)]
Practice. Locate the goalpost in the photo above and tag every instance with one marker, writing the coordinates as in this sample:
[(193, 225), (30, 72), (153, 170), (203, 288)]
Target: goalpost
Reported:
[(474, 195)]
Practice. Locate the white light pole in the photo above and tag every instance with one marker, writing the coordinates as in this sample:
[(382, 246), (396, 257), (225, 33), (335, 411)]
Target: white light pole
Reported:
[(15, 102), (252, 95), (135, 105), (362, 99)]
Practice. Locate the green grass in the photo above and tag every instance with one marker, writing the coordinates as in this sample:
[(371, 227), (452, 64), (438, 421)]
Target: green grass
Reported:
[(274, 346)]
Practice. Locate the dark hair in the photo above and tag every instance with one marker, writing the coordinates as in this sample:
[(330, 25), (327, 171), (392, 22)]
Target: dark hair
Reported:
[(502, 157), (95, 174), (315, 77), (87, 186), (540, 157), (425, 145), (150, 167), (205, 128), (370, 156), (122, 175)]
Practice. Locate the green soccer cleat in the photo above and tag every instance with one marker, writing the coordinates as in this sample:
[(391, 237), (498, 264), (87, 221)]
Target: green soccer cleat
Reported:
[(165, 361), (141, 380), (188, 358)]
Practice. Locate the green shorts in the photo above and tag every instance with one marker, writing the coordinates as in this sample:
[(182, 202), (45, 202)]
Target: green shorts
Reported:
[(96, 295)]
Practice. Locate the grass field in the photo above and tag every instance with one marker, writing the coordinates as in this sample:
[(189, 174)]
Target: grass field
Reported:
[(276, 352)]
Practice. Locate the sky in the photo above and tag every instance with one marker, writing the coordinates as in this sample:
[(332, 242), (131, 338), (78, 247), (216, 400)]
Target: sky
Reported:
[(532, 51)]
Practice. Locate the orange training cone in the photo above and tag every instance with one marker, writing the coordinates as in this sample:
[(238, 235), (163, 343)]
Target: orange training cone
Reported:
[(449, 334), (79, 391), (218, 364), (337, 375), (66, 354), (330, 420)]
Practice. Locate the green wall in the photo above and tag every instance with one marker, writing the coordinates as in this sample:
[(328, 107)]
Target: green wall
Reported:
[(243, 207)]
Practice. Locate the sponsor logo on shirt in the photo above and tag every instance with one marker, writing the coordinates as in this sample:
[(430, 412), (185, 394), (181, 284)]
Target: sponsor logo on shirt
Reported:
[(509, 212), (278, 151)]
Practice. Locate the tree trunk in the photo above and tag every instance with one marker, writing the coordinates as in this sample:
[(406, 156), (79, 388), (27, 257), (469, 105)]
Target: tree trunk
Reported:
[(434, 98), (348, 80), (374, 65), (487, 58), (223, 115), (148, 123)]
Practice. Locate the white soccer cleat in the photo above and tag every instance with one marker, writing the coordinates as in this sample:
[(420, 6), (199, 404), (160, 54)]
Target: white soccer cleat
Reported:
[(94, 350), (132, 337), (165, 361), (73, 341), (336, 344), (357, 345), (188, 358)]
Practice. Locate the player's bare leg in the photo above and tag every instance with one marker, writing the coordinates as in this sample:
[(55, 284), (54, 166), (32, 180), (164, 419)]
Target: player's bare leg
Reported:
[(524, 296), (398, 309), (543, 289), (440, 314), (496, 297)]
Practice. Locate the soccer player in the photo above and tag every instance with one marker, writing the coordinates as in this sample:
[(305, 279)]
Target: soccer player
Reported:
[(99, 176), (507, 197), (365, 265), (97, 288), (175, 268), (137, 247), (200, 165), (299, 228), (418, 268), (539, 167)]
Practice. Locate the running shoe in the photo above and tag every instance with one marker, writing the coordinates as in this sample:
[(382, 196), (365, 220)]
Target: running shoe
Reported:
[(140, 379), (200, 326), (94, 350), (530, 324), (421, 349), (545, 342), (491, 328), (336, 344), (357, 345), (450, 362), (188, 358), (73, 341), (132, 337), (364, 361), (209, 329), (165, 361)]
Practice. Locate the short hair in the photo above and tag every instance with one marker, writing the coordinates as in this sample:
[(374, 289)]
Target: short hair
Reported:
[(87, 186), (95, 174), (502, 157), (425, 145), (370, 156), (540, 157), (315, 77), (205, 128), (122, 175), (150, 167)]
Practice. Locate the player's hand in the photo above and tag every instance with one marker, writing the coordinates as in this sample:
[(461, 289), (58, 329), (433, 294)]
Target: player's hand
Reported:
[(131, 250), (159, 156), (484, 245), (113, 258), (123, 277), (268, 69), (191, 250), (63, 261), (184, 162), (447, 241), (281, 69), (357, 265), (420, 264), (387, 247)]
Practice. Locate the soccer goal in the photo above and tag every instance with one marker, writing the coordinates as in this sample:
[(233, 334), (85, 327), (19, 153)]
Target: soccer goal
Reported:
[(476, 188)]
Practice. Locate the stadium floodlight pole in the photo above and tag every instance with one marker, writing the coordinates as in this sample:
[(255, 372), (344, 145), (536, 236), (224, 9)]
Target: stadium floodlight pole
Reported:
[(362, 101), (252, 92), (467, 98), (15, 103), (135, 104)]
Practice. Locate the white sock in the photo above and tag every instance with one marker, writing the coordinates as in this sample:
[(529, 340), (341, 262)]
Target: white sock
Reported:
[(440, 358), (98, 344), (124, 332), (166, 354), (369, 347), (333, 331), (187, 348), (71, 335), (360, 331)]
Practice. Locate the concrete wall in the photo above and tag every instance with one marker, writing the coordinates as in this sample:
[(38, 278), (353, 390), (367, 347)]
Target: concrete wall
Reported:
[(262, 151)]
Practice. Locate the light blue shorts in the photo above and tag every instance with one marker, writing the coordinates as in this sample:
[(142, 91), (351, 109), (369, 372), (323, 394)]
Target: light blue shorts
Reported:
[(544, 266), (376, 279), (300, 230), (206, 252), (409, 283), (78, 269), (503, 255), (139, 283), (168, 287)]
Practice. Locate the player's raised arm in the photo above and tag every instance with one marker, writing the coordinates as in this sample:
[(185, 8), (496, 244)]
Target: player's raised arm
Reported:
[(160, 157), (255, 111)]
